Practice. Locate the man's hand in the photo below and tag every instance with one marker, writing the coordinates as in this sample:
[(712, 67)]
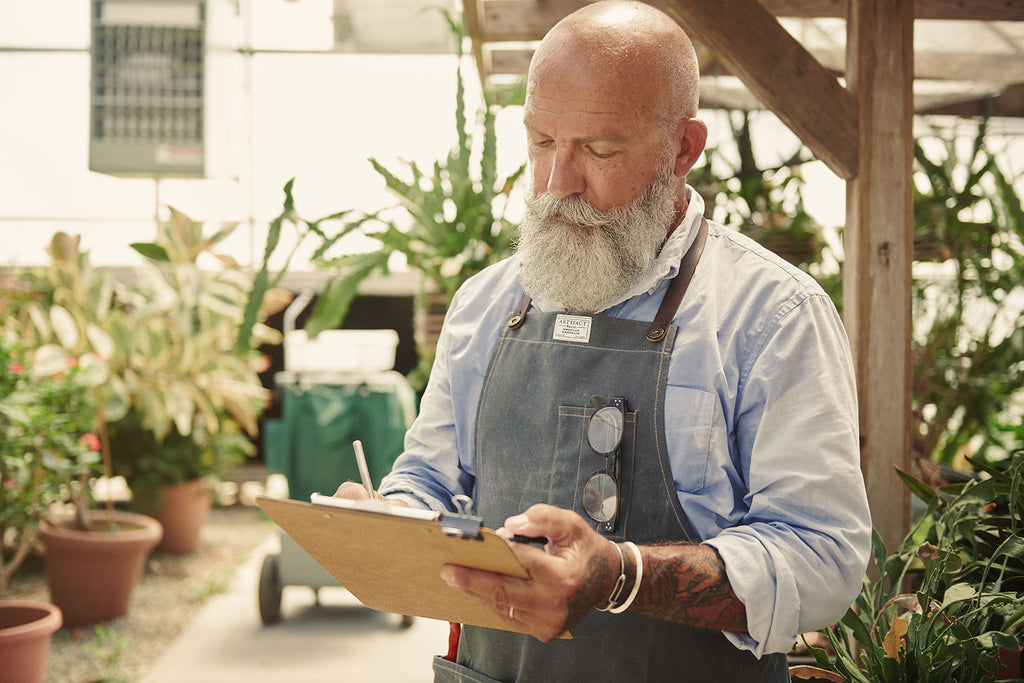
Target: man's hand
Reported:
[(684, 583), (576, 571)]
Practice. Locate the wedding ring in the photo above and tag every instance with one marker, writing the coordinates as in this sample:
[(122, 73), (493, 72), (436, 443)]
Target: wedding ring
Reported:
[(512, 612)]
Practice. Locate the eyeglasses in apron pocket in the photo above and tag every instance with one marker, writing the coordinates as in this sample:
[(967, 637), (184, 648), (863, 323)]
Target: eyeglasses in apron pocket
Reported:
[(575, 462)]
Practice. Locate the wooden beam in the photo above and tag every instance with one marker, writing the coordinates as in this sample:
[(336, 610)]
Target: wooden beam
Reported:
[(879, 249), (1010, 102), (513, 58), (515, 20), (970, 10), (470, 9), (780, 72), (512, 20)]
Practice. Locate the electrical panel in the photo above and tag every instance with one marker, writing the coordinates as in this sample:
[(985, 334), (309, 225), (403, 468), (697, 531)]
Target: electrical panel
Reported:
[(155, 102)]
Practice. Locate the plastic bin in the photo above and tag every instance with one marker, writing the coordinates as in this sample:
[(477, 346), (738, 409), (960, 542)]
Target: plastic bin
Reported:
[(311, 444)]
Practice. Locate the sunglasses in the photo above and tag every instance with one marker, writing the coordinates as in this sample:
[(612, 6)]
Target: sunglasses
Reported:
[(604, 435)]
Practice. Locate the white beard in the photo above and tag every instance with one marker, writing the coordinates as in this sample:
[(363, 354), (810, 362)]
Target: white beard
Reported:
[(591, 262)]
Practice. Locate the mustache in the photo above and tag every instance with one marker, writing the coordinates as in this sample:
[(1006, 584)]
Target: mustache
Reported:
[(574, 209)]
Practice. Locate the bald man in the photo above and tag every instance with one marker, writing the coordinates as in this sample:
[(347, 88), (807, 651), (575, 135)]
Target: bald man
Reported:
[(670, 405)]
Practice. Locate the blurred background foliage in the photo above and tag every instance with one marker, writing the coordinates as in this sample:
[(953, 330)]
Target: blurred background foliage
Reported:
[(968, 284)]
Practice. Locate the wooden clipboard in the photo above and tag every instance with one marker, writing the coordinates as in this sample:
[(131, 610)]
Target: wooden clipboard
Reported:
[(393, 563)]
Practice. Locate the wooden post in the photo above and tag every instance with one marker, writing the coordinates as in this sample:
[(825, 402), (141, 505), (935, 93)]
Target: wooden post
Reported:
[(879, 249)]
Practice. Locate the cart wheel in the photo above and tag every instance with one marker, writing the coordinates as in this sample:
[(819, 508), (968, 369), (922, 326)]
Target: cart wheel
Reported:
[(406, 621), (270, 591)]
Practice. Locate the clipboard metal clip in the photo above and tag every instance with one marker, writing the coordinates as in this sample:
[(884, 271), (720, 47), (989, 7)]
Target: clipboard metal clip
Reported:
[(463, 526), (461, 523)]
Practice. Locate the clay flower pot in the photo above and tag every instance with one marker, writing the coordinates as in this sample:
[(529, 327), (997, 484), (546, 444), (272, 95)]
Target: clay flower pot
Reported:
[(184, 509), (25, 630), (91, 574)]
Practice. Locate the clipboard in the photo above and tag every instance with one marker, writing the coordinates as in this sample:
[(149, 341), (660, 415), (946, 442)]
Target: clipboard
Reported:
[(391, 562)]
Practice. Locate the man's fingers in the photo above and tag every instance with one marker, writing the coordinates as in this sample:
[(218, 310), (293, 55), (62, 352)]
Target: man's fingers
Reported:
[(489, 588), (512, 599), (352, 491)]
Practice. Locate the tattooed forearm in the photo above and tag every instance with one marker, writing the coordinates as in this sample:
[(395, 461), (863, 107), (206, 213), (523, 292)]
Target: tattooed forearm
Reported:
[(687, 584), (595, 588)]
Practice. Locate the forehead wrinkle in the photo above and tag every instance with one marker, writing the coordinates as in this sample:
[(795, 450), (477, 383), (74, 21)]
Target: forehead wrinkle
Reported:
[(535, 104)]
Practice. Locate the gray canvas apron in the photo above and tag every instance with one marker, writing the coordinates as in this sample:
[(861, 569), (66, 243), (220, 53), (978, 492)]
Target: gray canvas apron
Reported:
[(532, 448)]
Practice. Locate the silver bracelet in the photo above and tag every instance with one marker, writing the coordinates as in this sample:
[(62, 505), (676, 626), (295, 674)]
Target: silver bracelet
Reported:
[(620, 584), (636, 582)]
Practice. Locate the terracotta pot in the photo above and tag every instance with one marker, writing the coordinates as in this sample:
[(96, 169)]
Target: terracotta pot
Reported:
[(184, 509), (25, 630), (1011, 662), (92, 573), (428, 321), (812, 674)]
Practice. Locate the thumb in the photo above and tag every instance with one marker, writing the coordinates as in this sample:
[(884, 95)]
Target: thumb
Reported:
[(557, 524)]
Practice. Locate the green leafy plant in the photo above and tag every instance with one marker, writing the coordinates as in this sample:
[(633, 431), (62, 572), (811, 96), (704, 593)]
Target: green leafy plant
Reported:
[(968, 345), (968, 285), (765, 201), (168, 337), (966, 558), (449, 224), (47, 439)]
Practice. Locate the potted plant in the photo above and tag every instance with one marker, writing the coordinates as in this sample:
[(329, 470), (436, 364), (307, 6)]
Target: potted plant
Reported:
[(965, 561), (179, 394), (194, 397), (41, 448), (93, 558), (25, 630), (449, 224), (47, 418)]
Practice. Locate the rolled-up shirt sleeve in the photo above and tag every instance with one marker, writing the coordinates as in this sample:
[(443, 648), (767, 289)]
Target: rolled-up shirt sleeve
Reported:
[(428, 472), (797, 557), (438, 459)]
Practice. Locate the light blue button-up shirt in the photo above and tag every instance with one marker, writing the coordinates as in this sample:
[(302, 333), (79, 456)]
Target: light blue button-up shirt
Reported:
[(760, 420)]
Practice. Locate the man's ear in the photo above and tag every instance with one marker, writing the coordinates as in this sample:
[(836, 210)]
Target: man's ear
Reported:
[(691, 136)]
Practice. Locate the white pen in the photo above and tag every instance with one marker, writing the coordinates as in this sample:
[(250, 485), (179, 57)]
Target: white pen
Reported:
[(364, 472)]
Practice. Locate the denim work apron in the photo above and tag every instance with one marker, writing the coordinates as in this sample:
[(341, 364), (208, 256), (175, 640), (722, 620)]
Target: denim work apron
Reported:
[(532, 448)]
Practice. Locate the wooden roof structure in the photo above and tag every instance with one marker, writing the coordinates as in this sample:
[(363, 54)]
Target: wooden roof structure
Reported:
[(854, 107)]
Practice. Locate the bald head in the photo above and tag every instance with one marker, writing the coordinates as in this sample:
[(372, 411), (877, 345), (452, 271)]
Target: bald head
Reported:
[(637, 50)]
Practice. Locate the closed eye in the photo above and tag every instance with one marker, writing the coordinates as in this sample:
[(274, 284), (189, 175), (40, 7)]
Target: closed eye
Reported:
[(601, 154)]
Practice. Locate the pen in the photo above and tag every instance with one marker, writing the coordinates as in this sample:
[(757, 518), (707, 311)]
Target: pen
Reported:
[(364, 473), (539, 541)]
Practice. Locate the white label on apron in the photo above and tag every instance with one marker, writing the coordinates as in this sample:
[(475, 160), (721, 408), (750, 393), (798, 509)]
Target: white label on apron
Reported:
[(575, 328)]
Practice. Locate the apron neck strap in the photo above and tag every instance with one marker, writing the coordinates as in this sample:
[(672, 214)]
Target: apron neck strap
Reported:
[(669, 303), (677, 288)]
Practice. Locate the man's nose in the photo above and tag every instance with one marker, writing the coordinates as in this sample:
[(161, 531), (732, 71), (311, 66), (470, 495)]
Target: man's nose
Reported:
[(565, 178)]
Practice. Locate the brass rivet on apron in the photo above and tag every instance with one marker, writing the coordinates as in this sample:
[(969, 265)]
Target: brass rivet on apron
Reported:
[(515, 320), (655, 334)]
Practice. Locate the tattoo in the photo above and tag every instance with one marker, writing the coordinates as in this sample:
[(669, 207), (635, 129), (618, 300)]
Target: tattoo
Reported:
[(594, 589), (687, 585)]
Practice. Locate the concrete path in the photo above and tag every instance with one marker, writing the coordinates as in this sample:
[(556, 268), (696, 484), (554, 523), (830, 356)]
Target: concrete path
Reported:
[(336, 641)]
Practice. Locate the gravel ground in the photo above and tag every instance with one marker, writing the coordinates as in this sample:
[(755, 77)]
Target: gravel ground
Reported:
[(169, 595)]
